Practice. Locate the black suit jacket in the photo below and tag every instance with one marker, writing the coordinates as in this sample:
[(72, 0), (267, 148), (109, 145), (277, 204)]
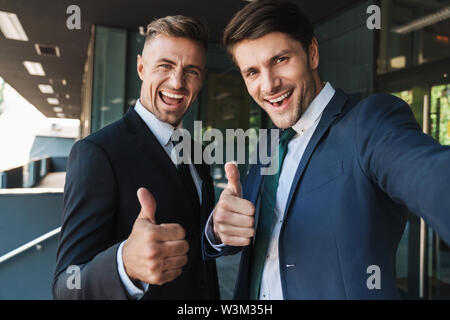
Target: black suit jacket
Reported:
[(104, 172)]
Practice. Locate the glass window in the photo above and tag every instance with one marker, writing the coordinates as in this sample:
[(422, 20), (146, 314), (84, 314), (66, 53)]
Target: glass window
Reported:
[(440, 113), (108, 91), (412, 34)]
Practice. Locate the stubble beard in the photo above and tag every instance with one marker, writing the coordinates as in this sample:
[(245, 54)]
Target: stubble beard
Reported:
[(290, 119), (171, 117)]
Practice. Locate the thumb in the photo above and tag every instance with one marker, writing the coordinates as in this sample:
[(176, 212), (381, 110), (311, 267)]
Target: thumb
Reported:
[(148, 205), (234, 184)]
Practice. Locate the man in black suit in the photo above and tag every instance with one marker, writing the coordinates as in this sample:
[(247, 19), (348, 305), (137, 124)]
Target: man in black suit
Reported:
[(147, 246)]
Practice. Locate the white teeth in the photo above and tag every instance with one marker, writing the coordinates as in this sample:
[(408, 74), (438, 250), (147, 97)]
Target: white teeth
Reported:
[(281, 97), (170, 95)]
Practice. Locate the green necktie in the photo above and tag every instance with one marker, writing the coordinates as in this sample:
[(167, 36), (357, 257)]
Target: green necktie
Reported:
[(266, 212)]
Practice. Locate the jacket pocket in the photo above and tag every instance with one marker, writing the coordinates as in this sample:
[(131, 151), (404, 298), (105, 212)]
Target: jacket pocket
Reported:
[(321, 177)]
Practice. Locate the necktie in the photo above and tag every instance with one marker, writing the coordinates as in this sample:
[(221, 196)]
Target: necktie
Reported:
[(268, 199), (188, 183)]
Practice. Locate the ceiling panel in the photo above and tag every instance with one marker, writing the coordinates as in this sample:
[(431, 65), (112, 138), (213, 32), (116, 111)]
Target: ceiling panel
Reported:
[(44, 22)]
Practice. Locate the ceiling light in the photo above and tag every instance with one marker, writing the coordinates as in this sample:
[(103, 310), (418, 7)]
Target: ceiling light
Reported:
[(64, 82), (60, 115), (57, 109), (67, 96), (34, 68), (52, 101), (398, 62), (11, 27), (44, 50), (424, 21), (45, 88)]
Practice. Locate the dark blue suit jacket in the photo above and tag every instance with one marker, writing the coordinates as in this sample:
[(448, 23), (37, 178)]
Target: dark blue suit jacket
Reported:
[(366, 167)]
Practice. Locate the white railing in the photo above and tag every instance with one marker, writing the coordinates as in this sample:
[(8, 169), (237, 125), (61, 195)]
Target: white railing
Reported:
[(29, 245)]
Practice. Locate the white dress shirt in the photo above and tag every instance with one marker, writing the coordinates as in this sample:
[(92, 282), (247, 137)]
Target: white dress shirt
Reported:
[(271, 282), (163, 133)]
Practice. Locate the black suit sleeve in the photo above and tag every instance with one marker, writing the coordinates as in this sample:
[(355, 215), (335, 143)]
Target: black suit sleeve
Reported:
[(88, 227)]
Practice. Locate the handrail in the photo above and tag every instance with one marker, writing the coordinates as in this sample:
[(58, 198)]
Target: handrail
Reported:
[(29, 245), (26, 163)]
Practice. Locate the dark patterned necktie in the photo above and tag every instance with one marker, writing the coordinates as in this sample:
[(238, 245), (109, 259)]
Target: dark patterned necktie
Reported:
[(186, 177)]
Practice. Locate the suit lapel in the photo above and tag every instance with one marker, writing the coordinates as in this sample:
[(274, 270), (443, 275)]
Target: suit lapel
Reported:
[(151, 147), (330, 113)]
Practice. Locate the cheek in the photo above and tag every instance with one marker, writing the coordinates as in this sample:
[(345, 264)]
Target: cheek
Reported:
[(194, 87)]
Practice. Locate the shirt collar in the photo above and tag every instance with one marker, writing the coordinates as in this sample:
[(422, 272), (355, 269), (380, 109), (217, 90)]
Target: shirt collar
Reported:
[(315, 109), (162, 130)]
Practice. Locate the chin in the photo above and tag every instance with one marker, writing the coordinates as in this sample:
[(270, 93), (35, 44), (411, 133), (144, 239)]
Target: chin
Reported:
[(283, 121)]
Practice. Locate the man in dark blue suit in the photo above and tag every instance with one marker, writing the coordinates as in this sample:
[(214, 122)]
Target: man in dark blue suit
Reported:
[(350, 173)]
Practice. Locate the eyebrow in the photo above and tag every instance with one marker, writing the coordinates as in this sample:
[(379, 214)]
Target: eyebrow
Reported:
[(190, 66), (270, 60)]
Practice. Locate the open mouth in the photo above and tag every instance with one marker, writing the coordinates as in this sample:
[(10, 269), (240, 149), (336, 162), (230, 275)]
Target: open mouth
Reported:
[(280, 100), (171, 99)]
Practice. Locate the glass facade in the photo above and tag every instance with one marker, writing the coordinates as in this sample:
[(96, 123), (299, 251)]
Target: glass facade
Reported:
[(440, 113), (411, 64), (346, 48), (108, 91), (405, 45)]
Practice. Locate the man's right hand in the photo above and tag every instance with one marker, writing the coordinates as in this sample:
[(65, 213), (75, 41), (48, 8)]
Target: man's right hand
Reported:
[(233, 216), (154, 253)]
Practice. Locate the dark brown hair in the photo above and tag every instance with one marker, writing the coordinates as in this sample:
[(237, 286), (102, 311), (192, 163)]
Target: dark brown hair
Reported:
[(179, 26), (261, 17)]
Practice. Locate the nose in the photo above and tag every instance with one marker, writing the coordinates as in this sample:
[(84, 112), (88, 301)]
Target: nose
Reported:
[(270, 82), (177, 80)]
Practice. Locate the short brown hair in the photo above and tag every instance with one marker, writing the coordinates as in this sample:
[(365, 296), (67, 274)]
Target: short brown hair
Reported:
[(261, 17), (179, 26)]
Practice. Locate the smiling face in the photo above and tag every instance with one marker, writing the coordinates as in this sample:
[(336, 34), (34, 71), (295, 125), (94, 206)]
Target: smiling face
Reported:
[(172, 71), (279, 75)]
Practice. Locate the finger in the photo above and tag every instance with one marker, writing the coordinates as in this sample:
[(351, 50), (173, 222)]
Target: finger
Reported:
[(170, 275), (176, 262), (169, 232), (233, 231), (235, 241), (148, 205), (229, 203), (163, 277), (234, 184), (174, 248), (234, 219)]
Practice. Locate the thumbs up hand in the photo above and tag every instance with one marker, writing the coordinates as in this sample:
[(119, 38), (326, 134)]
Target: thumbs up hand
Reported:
[(234, 184), (233, 217), (154, 253)]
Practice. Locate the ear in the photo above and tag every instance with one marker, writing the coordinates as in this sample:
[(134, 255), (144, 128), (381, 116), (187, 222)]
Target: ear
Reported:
[(140, 67), (314, 54)]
